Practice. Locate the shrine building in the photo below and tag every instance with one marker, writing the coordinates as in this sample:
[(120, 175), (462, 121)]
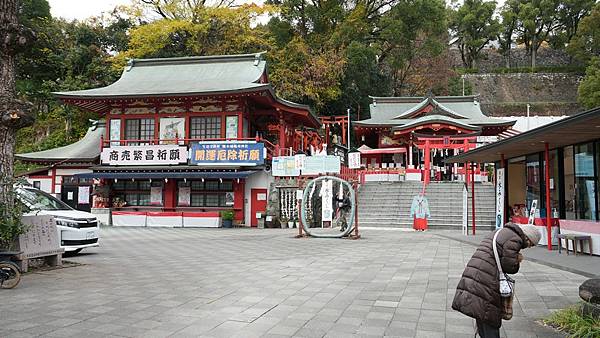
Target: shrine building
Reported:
[(178, 136), (413, 135)]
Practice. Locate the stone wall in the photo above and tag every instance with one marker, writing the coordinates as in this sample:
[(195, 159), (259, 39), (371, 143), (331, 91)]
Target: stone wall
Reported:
[(509, 94), (492, 59)]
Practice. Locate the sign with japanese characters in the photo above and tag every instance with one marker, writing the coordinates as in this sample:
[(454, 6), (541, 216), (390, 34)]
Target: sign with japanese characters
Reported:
[(145, 155), (228, 153), (499, 198), (41, 238)]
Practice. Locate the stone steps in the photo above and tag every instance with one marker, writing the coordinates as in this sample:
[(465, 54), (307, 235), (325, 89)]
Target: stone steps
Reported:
[(388, 205)]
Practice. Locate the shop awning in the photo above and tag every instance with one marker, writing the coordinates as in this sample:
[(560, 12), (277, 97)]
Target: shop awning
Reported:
[(579, 128), (162, 175)]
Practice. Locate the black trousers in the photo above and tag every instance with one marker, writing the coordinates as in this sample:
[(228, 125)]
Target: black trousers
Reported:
[(486, 331)]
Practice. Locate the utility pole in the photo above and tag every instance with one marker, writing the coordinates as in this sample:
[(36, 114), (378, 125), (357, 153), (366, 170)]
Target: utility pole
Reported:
[(528, 106)]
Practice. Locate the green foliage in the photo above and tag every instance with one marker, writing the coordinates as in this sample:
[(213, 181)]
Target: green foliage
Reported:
[(589, 88), (572, 321), (227, 215), (11, 225), (455, 86), (475, 26), (585, 44)]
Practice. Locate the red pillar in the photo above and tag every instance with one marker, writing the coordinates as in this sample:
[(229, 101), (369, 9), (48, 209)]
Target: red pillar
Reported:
[(427, 162), (238, 199), (282, 144), (473, 197), (170, 194), (548, 213)]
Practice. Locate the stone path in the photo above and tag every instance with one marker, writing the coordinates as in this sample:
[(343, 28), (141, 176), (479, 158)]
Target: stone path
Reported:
[(264, 283)]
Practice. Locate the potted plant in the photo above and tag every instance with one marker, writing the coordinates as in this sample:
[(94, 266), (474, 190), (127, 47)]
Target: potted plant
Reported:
[(227, 218)]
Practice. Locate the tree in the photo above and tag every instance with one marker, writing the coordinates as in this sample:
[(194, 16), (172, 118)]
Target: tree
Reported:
[(586, 42), (215, 31), (305, 75), (589, 88), (570, 13), (506, 36), (537, 21), (411, 32), (14, 113), (474, 25)]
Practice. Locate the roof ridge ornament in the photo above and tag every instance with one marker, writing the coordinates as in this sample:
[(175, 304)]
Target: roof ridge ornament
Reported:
[(130, 63)]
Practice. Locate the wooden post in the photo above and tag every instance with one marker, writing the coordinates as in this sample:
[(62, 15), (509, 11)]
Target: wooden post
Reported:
[(473, 197), (548, 212), (281, 132)]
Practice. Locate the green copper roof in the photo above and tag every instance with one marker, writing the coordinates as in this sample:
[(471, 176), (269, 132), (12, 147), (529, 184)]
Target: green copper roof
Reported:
[(85, 150), (401, 111), (182, 76)]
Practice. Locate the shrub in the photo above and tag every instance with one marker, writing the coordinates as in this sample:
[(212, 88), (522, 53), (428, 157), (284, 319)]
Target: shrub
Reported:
[(11, 225), (572, 321), (227, 215)]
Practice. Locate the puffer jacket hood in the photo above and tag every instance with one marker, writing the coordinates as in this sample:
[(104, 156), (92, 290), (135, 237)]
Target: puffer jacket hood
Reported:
[(477, 294)]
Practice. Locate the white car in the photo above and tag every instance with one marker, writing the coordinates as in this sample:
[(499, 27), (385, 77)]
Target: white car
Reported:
[(77, 229)]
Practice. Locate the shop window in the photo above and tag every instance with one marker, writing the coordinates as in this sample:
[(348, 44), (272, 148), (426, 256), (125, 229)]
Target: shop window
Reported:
[(533, 180), (208, 127), (554, 182), (597, 151), (134, 193), (585, 182), (139, 129), (210, 193), (569, 183)]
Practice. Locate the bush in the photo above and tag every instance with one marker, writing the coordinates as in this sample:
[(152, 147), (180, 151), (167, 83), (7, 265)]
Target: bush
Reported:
[(227, 215), (572, 321), (11, 225)]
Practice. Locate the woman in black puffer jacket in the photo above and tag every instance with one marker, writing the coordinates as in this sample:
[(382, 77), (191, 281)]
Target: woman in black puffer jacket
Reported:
[(477, 293)]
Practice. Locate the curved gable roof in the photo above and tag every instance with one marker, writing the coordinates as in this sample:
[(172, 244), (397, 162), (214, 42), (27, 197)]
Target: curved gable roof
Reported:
[(182, 76), (429, 119), (85, 150), (437, 108)]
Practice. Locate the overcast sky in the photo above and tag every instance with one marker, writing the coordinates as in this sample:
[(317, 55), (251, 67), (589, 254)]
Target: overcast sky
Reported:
[(82, 9), (79, 9)]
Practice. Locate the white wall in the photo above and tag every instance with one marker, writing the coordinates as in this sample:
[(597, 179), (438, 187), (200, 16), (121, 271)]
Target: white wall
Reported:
[(258, 180), (71, 172), (45, 183)]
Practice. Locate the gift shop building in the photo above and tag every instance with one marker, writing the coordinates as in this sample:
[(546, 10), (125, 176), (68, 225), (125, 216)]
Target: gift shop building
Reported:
[(557, 168), (187, 138)]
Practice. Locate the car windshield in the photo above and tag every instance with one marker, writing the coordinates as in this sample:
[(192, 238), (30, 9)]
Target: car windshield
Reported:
[(38, 200)]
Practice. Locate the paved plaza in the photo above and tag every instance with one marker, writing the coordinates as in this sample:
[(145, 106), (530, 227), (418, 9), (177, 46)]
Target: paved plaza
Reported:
[(265, 283)]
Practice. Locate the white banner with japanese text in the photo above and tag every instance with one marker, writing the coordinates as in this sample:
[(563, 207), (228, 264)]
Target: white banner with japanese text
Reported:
[(145, 155)]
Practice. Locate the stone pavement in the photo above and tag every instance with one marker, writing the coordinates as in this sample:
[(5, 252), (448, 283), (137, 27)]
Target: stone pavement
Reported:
[(263, 283), (582, 264)]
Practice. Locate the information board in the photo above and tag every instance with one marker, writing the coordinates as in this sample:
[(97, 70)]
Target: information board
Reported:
[(285, 166)]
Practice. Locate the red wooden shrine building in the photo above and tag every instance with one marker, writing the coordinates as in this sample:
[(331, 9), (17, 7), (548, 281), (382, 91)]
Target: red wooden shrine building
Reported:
[(414, 135), (190, 134)]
